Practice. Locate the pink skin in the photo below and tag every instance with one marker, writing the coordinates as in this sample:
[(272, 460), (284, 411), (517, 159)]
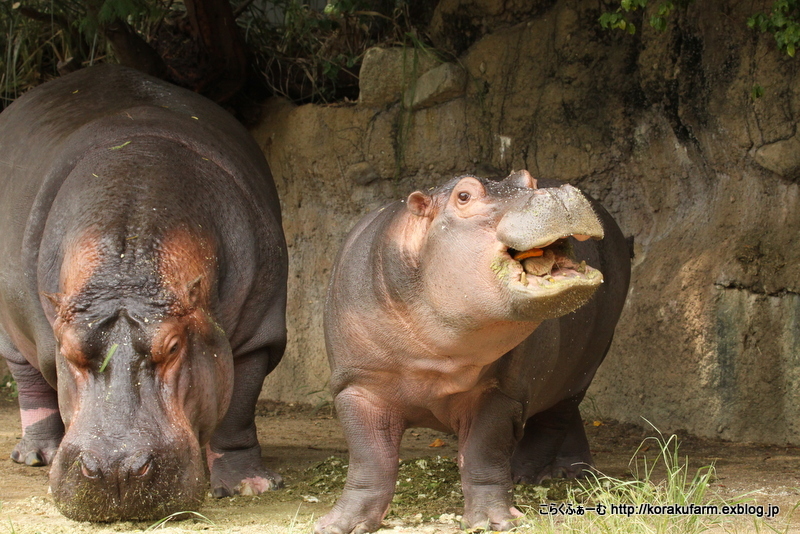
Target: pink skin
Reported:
[(254, 486), (42, 428), (247, 486), (31, 417), (211, 456), (414, 333), (41, 435)]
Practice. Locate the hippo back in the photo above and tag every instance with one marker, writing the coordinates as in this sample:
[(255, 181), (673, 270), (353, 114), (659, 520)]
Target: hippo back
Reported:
[(105, 110)]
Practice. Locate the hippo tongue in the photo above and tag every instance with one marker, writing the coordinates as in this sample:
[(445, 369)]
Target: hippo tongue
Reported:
[(539, 265)]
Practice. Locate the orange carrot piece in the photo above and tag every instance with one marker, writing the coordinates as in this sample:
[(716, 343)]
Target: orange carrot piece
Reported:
[(519, 256)]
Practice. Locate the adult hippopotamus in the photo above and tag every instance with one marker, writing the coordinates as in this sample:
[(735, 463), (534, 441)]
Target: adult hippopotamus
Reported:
[(482, 308), (142, 292)]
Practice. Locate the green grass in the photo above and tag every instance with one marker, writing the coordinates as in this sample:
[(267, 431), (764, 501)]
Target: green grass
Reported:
[(111, 349), (660, 476), (786, 526), (675, 484), (294, 524), (197, 516)]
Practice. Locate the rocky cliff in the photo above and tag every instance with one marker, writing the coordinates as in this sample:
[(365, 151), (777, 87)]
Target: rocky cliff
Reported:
[(663, 128)]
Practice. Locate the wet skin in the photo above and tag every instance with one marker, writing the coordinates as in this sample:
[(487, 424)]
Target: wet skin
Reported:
[(431, 321), (142, 292)]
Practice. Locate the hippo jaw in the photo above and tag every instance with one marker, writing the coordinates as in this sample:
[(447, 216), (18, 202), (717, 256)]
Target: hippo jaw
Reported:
[(548, 284)]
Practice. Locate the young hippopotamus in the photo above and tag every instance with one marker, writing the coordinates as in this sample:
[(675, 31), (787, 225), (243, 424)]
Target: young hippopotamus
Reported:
[(142, 292), (482, 308)]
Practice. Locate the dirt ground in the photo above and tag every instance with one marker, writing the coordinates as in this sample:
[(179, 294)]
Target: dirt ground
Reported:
[(295, 439)]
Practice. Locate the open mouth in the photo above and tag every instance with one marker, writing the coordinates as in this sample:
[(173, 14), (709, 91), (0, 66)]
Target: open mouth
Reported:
[(550, 265)]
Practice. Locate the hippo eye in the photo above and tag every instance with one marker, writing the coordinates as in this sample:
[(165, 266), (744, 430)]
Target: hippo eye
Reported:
[(167, 348), (463, 197), (173, 346)]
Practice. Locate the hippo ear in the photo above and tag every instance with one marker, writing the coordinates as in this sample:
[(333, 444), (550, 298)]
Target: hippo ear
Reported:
[(59, 302), (194, 292), (419, 203), (521, 179), (56, 298)]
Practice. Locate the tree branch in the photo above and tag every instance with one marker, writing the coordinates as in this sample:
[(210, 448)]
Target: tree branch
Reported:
[(241, 8)]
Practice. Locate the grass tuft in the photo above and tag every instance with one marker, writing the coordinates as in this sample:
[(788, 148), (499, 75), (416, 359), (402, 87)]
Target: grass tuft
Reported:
[(660, 477), (180, 516)]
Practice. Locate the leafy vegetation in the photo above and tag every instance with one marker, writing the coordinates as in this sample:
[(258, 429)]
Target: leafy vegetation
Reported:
[(9, 386), (662, 479), (293, 50), (42, 38), (620, 20), (783, 22), (32, 50), (97, 13), (427, 485), (314, 55)]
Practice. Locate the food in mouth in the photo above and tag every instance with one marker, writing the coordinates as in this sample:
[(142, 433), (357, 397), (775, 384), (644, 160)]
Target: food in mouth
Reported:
[(546, 263)]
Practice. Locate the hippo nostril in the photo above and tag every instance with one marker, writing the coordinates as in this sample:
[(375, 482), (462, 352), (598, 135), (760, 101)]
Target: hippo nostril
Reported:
[(139, 465), (90, 465)]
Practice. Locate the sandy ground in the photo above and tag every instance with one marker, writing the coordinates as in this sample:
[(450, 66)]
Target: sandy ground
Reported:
[(297, 438)]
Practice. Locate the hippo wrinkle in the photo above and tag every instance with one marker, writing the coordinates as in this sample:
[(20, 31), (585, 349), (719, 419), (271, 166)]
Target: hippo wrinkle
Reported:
[(81, 259)]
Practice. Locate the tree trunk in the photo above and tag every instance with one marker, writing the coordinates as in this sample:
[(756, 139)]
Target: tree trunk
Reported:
[(225, 62)]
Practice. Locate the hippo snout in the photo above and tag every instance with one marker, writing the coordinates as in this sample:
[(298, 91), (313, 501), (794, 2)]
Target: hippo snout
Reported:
[(546, 215), (137, 467), (127, 483)]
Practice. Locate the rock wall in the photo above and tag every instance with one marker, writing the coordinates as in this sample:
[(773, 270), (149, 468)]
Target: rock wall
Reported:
[(661, 127)]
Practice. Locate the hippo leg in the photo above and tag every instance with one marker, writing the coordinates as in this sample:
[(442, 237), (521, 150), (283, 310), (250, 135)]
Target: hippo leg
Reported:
[(486, 443), (42, 428), (554, 445), (234, 454), (373, 431)]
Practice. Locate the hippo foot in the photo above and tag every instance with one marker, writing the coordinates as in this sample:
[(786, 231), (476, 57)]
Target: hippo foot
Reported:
[(342, 523), (568, 467), (240, 472), (488, 508), (356, 511), (35, 452), (497, 518)]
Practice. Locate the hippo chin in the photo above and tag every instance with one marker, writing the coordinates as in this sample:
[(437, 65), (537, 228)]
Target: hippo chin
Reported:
[(483, 309), (142, 292)]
